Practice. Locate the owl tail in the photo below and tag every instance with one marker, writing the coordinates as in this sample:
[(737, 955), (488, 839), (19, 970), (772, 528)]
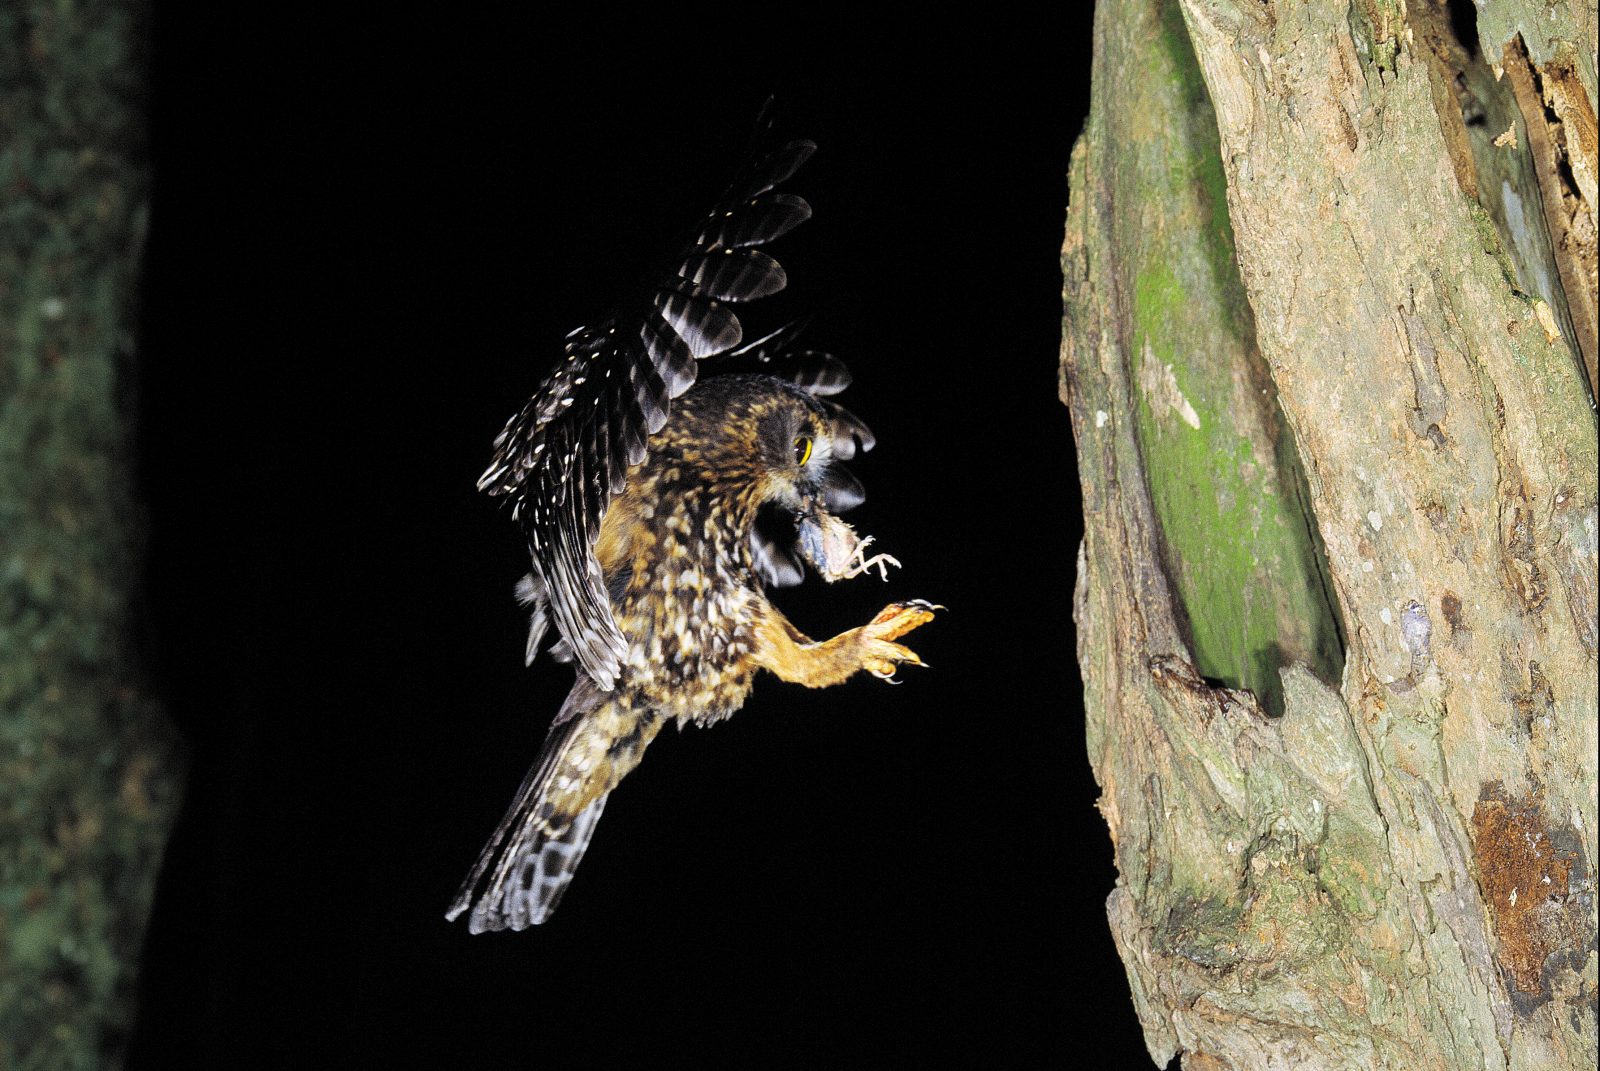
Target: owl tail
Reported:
[(523, 871), (539, 866)]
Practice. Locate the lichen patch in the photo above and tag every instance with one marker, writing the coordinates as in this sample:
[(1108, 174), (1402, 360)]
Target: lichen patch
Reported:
[(1160, 385)]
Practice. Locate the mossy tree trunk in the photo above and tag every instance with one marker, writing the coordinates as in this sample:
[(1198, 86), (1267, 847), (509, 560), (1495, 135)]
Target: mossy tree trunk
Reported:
[(87, 773), (1329, 352)]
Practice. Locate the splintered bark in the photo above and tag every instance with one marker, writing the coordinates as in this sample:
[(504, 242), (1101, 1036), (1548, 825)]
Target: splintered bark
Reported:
[(1329, 352), (86, 762)]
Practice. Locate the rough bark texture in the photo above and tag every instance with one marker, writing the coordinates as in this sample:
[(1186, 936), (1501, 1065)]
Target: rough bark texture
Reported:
[(1338, 588), (86, 770)]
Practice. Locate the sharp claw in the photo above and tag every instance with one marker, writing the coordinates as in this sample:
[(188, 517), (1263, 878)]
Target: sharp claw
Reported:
[(884, 657)]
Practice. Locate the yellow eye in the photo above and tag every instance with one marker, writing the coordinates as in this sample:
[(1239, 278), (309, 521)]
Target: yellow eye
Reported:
[(802, 449)]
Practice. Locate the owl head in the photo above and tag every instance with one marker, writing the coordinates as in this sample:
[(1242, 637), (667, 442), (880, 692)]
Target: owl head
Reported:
[(796, 441)]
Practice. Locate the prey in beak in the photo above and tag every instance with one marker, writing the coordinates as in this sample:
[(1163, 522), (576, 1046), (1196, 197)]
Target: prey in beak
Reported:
[(834, 549)]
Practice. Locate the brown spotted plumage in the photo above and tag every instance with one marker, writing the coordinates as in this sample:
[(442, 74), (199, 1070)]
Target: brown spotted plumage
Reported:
[(658, 511)]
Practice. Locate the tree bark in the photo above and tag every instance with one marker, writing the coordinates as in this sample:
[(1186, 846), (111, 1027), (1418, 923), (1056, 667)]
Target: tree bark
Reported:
[(1330, 376), (87, 768)]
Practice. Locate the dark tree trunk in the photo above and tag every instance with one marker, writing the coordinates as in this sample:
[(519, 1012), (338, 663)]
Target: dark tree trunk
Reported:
[(87, 769)]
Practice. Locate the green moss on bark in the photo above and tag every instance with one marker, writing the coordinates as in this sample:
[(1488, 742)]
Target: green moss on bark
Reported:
[(87, 779), (1224, 478)]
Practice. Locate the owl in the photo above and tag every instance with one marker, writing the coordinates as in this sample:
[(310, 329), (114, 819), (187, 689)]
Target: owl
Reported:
[(659, 507)]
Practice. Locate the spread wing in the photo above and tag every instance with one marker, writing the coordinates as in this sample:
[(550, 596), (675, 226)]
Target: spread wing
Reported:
[(562, 458)]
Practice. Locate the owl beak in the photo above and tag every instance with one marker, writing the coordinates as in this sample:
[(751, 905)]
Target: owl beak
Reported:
[(811, 510), (838, 491), (809, 522)]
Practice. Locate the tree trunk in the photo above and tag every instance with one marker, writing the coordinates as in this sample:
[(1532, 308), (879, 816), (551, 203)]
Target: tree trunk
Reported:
[(87, 777), (1329, 351)]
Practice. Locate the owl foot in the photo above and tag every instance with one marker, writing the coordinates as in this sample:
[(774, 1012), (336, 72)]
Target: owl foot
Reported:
[(880, 655)]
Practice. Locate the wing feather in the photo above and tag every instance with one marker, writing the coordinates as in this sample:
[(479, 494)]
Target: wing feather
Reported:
[(850, 432), (563, 457), (734, 274), (706, 325), (754, 222)]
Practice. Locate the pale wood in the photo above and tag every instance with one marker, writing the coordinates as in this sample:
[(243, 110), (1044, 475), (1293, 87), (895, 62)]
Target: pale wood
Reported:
[(1397, 872)]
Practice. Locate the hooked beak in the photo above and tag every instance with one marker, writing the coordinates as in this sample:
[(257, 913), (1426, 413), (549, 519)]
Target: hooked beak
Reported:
[(809, 524)]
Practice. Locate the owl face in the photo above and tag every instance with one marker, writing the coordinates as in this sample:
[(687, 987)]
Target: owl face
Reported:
[(794, 449), (778, 450), (797, 440)]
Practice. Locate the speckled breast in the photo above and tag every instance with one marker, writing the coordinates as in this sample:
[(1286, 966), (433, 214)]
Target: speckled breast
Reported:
[(690, 623)]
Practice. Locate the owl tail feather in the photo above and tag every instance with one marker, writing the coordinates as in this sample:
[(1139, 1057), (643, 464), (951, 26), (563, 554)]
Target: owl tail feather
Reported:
[(539, 867), (523, 871)]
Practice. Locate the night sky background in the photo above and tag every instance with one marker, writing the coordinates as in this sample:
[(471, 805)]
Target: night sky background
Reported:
[(368, 240)]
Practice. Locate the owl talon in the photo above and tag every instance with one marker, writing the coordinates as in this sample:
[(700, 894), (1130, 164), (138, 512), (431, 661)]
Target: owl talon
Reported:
[(899, 618), (882, 657)]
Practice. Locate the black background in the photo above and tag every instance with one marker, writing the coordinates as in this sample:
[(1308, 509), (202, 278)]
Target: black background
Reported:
[(368, 240)]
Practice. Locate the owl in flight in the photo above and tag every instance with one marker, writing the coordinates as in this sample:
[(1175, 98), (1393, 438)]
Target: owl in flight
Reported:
[(657, 511)]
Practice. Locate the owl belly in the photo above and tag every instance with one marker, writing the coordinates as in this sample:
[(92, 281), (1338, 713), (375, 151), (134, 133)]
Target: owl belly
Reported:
[(690, 637)]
